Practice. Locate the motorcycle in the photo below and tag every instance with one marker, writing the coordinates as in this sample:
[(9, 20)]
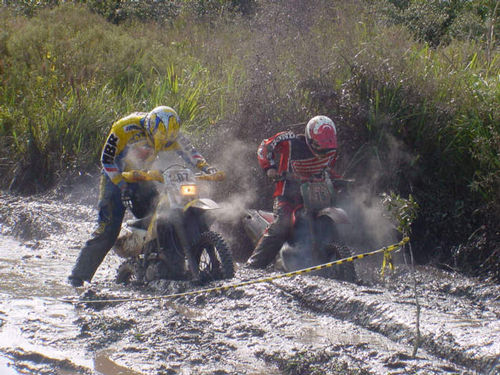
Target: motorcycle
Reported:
[(314, 235), (175, 242)]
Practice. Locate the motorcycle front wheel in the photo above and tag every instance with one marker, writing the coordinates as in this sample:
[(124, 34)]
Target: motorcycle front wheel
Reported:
[(344, 271), (213, 257)]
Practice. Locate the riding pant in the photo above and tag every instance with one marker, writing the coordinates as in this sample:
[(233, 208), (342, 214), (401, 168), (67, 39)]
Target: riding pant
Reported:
[(110, 217), (275, 235)]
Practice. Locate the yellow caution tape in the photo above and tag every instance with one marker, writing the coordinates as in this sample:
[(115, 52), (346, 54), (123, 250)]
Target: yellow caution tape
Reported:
[(387, 261), (385, 250)]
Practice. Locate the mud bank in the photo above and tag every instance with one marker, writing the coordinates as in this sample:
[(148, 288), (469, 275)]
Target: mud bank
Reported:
[(300, 325)]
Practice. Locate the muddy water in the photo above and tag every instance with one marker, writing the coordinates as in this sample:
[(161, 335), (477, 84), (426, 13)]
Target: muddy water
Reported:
[(301, 325), (35, 324)]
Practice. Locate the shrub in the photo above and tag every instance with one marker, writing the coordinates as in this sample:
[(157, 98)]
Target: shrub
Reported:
[(438, 22)]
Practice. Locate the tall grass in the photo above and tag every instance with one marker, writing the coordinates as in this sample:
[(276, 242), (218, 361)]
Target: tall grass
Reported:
[(68, 74)]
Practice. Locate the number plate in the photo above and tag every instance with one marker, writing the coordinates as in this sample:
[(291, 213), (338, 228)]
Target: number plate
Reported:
[(316, 195), (180, 176)]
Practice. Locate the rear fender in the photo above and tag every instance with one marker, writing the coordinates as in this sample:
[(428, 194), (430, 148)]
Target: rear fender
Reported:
[(266, 215), (255, 222)]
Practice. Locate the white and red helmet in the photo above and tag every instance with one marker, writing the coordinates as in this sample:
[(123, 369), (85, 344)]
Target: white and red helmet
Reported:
[(321, 135)]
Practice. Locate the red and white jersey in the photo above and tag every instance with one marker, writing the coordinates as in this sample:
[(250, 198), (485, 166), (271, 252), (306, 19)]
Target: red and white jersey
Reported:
[(288, 152)]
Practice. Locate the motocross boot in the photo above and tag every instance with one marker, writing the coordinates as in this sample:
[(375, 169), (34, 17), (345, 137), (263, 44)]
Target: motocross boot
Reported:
[(91, 256)]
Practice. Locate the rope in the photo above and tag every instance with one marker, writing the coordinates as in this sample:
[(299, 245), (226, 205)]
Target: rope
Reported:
[(385, 250)]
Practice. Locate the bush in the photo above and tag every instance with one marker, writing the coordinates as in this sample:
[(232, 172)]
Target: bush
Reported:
[(158, 11), (439, 22)]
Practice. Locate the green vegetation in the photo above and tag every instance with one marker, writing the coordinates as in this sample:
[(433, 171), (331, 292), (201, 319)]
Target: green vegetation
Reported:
[(439, 22), (414, 87)]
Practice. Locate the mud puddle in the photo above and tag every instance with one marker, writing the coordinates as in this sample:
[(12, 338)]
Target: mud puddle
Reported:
[(300, 325)]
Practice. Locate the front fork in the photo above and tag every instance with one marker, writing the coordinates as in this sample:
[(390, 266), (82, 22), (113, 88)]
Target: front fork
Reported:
[(314, 241), (322, 232), (177, 218)]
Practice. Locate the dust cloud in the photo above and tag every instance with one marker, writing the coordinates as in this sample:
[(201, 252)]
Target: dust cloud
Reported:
[(371, 224), (241, 190)]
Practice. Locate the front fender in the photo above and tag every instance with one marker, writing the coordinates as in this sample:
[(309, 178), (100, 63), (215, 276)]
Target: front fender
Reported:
[(338, 215), (203, 204)]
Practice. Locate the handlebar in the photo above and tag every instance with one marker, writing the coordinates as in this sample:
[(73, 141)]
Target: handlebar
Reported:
[(217, 176), (291, 176), (138, 175), (156, 175)]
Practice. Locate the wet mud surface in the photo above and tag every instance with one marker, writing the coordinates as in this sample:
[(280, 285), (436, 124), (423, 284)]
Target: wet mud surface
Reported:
[(298, 325)]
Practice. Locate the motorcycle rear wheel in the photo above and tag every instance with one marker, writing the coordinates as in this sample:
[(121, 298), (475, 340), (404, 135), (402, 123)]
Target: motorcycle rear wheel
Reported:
[(345, 271), (128, 273), (215, 260)]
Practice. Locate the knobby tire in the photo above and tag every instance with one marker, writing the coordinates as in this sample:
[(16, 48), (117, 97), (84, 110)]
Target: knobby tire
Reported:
[(221, 259), (345, 271)]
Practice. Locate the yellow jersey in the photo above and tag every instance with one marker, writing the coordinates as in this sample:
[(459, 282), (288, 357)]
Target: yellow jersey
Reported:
[(127, 147)]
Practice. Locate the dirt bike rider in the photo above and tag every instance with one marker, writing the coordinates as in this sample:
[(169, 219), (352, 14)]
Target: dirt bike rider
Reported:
[(133, 143), (305, 155)]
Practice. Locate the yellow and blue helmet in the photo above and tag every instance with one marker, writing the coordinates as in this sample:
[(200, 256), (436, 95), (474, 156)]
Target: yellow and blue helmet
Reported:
[(162, 127)]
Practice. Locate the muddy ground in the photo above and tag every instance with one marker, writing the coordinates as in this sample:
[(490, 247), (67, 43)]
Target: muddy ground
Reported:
[(299, 325)]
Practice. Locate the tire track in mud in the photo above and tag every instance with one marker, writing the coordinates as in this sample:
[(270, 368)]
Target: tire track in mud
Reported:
[(463, 333), (296, 324)]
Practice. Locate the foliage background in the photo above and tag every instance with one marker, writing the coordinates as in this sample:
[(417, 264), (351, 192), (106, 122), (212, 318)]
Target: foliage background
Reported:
[(413, 86)]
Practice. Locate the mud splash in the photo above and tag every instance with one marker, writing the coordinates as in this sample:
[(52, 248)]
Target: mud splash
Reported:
[(289, 326)]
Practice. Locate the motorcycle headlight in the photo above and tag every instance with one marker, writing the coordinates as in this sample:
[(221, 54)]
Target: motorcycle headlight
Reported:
[(188, 190)]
